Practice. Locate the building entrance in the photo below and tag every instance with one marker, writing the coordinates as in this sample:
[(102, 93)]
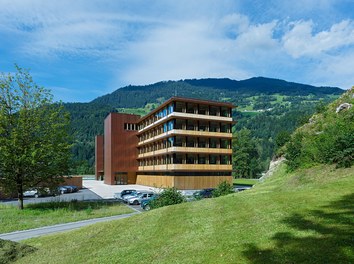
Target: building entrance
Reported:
[(121, 178)]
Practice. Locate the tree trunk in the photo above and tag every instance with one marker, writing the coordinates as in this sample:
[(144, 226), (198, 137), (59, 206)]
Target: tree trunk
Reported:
[(20, 196)]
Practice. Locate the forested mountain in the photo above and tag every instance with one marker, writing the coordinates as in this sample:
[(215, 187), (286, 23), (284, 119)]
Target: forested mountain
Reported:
[(265, 107)]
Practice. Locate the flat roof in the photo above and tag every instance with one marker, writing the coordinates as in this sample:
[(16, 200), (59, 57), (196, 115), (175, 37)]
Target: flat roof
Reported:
[(187, 100)]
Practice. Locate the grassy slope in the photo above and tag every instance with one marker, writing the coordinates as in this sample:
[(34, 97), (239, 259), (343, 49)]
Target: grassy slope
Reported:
[(243, 181), (44, 214), (306, 216)]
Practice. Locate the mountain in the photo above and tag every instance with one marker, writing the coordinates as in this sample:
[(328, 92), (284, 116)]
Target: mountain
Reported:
[(212, 89), (265, 106)]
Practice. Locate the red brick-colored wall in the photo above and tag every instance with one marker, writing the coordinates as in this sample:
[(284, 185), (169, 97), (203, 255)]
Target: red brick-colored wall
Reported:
[(73, 180), (99, 162), (120, 152)]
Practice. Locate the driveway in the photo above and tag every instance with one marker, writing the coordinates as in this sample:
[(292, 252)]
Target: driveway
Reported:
[(107, 191)]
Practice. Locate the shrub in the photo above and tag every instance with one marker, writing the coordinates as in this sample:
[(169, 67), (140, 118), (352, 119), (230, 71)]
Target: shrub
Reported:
[(168, 196), (224, 188)]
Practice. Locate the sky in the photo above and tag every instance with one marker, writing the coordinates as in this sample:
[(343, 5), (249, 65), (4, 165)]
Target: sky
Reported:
[(83, 49)]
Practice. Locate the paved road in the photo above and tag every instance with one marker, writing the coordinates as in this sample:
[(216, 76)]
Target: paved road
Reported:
[(26, 234), (81, 195)]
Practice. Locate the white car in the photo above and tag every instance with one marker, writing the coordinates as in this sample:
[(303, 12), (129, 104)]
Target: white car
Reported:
[(137, 199)]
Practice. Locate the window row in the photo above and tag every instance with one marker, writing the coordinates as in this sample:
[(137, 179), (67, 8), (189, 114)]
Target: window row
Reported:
[(190, 108), (190, 142), (184, 124), (181, 158)]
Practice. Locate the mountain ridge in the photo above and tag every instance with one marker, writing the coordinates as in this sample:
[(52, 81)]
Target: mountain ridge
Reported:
[(251, 86)]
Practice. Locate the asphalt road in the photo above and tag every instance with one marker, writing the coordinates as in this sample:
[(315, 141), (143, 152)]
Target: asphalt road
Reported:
[(81, 195), (26, 234)]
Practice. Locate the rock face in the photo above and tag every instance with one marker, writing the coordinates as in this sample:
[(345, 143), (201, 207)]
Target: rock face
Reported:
[(274, 164), (344, 106)]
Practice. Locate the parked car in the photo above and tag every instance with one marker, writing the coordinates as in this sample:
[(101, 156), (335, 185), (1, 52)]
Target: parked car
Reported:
[(71, 188), (63, 189), (123, 193), (204, 193), (131, 195), (145, 203), (39, 192), (137, 199)]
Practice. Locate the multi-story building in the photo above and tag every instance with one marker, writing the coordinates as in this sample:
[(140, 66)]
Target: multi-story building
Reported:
[(184, 143)]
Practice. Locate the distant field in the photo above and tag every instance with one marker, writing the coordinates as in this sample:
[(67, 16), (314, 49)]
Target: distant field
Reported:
[(44, 214), (245, 181), (302, 217)]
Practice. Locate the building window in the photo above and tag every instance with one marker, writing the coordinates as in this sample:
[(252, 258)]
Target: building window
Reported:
[(130, 126)]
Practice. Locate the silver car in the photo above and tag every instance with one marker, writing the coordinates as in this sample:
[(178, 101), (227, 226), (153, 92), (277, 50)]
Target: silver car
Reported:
[(137, 199), (127, 197)]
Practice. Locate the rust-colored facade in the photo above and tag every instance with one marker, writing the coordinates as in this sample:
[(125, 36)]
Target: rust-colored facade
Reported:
[(184, 143), (99, 161), (120, 153)]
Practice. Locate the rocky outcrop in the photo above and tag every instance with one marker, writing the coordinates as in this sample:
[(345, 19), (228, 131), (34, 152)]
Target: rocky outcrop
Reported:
[(344, 106), (274, 164)]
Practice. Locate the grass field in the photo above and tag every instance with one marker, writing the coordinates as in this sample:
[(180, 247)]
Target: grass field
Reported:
[(43, 214), (303, 217), (245, 181)]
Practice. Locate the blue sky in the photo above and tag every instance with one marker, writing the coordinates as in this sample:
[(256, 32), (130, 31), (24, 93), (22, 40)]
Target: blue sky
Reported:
[(85, 49)]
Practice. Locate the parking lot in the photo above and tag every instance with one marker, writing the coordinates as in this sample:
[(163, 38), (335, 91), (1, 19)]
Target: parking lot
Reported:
[(92, 190)]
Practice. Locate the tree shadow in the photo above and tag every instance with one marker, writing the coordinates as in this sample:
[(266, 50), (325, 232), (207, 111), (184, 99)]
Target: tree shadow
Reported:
[(331, 239)]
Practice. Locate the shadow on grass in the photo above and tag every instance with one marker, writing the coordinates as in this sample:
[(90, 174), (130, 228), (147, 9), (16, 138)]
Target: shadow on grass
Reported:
[(73, 205), (331, 239), (11, 251)]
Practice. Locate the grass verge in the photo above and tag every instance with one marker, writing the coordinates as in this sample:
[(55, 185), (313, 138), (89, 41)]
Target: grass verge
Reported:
[(245, 181), (44, 214), (302, 217)]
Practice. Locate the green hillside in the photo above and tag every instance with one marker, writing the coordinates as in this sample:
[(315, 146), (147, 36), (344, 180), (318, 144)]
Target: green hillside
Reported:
[(260, 101), (302, 217)]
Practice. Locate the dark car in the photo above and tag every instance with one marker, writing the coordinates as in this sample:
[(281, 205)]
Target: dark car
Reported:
[(71, 188), (124, 193), (204, 193), (145, 203), (63, 189)]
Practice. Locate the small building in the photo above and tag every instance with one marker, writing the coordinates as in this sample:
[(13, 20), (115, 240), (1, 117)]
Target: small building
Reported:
[(184, 143)]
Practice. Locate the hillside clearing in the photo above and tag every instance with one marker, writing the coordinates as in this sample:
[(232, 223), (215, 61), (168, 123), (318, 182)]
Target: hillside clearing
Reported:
[(306, 216)]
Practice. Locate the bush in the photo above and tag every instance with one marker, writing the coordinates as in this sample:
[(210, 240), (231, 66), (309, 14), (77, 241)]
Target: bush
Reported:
[(168, 196), (224, 188)]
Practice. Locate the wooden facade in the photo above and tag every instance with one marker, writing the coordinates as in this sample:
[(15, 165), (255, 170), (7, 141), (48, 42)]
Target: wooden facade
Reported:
[(184, 143)]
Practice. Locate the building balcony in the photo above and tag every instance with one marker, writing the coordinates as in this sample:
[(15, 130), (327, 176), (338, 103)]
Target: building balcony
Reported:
[(160, 152), (180, 132), (186, 116), (186, 167)]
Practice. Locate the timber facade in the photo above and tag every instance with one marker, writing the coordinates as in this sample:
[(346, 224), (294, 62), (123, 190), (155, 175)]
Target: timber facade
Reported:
[(184, 143)]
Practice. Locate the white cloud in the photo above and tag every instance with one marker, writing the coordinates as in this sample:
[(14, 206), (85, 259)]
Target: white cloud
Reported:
[(300, 40), (140, 42)]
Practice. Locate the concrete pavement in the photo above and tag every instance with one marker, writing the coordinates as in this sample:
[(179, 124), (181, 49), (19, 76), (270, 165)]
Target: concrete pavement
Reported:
[(107, 191)]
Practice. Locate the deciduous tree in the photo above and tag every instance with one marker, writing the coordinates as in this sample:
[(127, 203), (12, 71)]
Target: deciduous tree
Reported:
[(34, 141)]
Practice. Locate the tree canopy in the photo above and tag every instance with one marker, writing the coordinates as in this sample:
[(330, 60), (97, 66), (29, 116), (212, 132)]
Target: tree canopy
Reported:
[(34, 141)]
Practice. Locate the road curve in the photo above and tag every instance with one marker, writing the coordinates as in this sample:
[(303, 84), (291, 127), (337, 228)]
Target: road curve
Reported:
[(26, 234)]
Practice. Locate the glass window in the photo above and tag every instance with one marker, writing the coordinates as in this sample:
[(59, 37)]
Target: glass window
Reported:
[(212, 159)]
